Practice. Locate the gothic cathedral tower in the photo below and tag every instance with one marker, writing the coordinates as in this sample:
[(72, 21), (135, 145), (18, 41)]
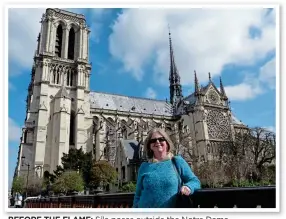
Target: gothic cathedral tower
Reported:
[(210, 114), (58, 110), (174, 78)]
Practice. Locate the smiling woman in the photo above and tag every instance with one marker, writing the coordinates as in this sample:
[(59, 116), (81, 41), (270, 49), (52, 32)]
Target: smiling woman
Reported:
[(164, 176)]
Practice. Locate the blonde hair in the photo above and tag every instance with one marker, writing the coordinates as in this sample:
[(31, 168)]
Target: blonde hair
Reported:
[(147, 148)]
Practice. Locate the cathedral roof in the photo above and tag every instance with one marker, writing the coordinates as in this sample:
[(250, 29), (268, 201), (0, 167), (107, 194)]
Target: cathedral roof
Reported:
[(105, 101), (131, 149), (191, 98), (117, 102)]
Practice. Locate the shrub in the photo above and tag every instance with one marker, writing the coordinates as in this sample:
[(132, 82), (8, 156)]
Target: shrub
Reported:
[(69, 181), (102, 173), (129, 187), (18, 184)]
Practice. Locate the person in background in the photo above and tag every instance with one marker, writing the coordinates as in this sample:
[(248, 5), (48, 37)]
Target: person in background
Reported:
[(18, 200), (157, 182)]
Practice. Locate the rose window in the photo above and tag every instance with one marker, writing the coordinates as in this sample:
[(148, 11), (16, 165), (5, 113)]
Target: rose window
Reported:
[(218, 125)]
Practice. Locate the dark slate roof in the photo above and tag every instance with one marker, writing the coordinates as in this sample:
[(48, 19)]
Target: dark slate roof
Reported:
[(203, 89), (191, 99), (131, 148), (107, 101)]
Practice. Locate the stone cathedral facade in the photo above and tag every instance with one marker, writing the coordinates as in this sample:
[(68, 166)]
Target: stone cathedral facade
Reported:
[(62, 112)]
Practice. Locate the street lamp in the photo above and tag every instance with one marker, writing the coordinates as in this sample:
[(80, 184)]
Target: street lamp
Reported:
[(28, 165)]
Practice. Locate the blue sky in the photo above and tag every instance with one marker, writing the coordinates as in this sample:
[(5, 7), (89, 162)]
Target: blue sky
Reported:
[(131, 47)]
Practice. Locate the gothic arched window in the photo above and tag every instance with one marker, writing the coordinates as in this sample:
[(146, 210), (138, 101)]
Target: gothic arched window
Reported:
[(71, 78), (124, 129), (59, 40), (168, 129), (25, 136), (68, 77), (72, 127), (58, 77), (95, 124), (54, 77), (71, 44)]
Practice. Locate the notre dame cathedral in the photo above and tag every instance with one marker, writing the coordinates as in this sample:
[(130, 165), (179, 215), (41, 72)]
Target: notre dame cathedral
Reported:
[(62, 112)]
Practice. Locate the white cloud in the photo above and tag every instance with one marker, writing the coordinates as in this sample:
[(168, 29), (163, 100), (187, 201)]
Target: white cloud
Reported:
[(203, 39), (268, 73), (253, 86), (150, 93), (241, 91), (24, 27), (14, 131), (270, 128)]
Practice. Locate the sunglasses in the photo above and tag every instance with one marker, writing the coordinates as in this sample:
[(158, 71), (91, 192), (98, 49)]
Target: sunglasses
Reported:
[(154, 140)]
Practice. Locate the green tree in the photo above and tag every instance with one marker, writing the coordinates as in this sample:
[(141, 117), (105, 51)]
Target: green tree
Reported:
[(102, 172), (18, 184), (35, 186), (129, 187), (57, 172), (69, 181), (77, 160)]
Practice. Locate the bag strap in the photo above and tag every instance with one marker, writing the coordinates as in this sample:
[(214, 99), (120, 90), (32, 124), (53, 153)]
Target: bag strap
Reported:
[(177, 173)]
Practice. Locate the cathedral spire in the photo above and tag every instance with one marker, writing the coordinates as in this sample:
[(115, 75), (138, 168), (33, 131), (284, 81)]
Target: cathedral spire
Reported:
[(222, 89), (174, 77), (196, 84)]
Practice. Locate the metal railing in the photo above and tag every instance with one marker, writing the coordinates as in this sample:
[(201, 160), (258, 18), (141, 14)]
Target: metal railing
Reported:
[(247, 197)]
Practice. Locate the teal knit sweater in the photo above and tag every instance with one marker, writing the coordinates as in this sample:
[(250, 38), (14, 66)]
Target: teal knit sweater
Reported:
[(157, 183)]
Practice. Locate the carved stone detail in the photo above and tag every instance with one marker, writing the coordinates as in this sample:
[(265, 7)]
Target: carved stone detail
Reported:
[(213, 97), (68, 17), (218, 125)]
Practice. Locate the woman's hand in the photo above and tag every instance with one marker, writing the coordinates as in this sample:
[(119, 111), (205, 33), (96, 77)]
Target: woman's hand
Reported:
[(185, 190)]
